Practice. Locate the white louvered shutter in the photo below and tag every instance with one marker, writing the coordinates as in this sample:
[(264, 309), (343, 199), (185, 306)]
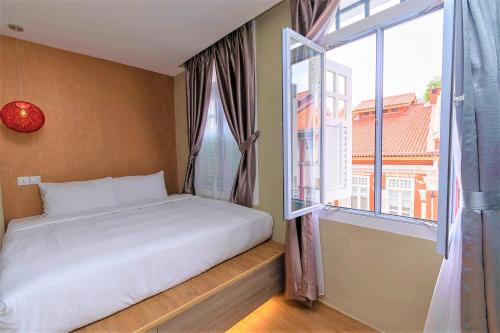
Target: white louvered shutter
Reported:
[(337, 127)]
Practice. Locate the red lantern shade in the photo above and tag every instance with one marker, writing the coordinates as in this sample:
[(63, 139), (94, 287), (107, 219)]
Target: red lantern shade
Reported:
[(22, 116)]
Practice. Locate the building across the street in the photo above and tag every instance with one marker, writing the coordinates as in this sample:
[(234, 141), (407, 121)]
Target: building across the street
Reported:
[(410, 147)]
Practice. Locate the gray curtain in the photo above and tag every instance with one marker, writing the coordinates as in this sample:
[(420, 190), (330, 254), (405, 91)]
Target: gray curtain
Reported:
[(235, 69), (301, 282), (309, 18), (480, 124), (199, 71)]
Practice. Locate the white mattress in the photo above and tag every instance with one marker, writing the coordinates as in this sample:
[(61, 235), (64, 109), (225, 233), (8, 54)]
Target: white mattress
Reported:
[(58, 274)]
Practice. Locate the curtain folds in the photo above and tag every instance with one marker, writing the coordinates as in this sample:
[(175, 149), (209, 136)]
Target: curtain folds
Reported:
[(234, 60), (235, 68), (303, 259), (199, 71), (218, 159), (311, 17), (480, 292), (467, 293), (301, 278)]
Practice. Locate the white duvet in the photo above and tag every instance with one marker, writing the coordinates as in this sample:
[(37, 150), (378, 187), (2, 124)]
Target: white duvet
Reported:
[(58, 274)]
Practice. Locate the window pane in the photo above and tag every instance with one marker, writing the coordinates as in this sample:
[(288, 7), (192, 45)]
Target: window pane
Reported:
[(305, 118), (330, 105), (341, 109), (341, 84), (410, 133), (346, 3), (352, 15), (359, 57), (354, 201), (363, 198), (393, 202), (377, 6), (330, 84), (406, 203), (351, 11)]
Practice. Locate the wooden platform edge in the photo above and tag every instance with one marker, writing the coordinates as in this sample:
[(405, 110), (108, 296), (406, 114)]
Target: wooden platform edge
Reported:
[(233, 281), (212, 292), (222, 310)]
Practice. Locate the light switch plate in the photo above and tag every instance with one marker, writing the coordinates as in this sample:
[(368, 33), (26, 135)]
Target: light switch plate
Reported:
[(35, 180), (23, 181)]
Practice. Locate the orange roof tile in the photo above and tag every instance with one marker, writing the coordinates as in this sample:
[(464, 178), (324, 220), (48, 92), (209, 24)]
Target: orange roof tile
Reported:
[(389, 102), (404, 133)]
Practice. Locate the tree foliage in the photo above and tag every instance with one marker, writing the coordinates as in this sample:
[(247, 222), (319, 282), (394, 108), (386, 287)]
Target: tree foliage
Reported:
[(435, 82)]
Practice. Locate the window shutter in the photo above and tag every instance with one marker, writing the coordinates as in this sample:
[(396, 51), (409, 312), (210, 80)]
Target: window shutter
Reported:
[(337, 129)]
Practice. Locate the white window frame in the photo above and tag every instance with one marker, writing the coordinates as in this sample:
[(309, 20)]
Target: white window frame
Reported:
[(400, 189), (357, 187), (366, 11), (288, 34), (376, 24)]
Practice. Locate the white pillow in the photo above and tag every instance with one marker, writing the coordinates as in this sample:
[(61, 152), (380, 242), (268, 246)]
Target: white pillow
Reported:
[(138, 189), (74, 197)]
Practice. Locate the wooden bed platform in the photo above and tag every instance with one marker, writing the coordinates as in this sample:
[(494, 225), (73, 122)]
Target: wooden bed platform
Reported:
[(210, 302)]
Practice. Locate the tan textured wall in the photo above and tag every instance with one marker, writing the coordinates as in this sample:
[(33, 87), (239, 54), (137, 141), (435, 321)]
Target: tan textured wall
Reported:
[(2, 226), (383, 279), (181, 127), (269, 108), (102, 119)]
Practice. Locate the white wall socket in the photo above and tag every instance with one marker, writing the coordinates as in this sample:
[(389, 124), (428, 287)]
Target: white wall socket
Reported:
[(28, 180), (35, 180), (23, 181)]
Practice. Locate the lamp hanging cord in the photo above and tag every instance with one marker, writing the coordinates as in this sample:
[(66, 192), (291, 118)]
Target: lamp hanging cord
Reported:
[(19, 68)]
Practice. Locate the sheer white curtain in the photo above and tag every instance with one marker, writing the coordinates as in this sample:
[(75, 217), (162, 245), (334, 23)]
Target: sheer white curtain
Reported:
[(445, 309), (218, 158)]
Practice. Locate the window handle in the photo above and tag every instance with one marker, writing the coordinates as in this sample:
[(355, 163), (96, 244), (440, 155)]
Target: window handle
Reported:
[(457, 99)]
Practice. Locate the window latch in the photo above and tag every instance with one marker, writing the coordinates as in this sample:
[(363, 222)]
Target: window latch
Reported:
[(457, 100)]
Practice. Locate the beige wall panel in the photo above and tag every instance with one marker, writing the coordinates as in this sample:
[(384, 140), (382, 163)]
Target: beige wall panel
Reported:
[(383, 279)]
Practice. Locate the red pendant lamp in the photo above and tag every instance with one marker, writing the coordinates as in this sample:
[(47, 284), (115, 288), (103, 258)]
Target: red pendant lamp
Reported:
[(21, 116)]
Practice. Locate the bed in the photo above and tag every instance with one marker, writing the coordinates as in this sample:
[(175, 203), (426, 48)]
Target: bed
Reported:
[(63, 272)]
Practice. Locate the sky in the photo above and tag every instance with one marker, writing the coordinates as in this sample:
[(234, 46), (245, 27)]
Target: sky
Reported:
[(412, 57)]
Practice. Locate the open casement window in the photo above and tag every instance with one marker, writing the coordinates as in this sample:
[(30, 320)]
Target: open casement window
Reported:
[(399, 136), (316, 127), (337, 129)]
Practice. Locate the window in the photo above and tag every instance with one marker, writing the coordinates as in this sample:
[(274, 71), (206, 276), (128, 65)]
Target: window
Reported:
[(351, 11), (400, 196), (219, 155), (303, 97), (360, 192), (359, 59), (412, 84), (378, 127)]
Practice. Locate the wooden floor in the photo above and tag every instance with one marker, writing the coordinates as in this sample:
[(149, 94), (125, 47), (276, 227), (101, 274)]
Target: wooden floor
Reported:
[(280, 315)]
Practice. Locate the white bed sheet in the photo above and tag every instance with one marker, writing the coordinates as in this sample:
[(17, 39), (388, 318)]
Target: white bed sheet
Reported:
[(58, 274)]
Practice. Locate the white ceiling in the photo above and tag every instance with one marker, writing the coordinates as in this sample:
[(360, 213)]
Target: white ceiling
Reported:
[(158, 35)]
